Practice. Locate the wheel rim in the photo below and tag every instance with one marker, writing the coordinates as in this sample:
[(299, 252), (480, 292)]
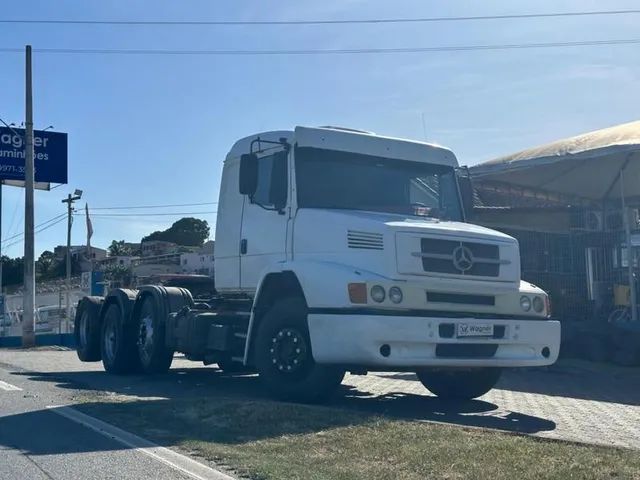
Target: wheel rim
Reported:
[(84, 327), (110, 340), (288, 351), (145, 338)]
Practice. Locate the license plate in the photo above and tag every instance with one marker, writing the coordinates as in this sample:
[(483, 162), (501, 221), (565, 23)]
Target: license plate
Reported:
[(475, 330)]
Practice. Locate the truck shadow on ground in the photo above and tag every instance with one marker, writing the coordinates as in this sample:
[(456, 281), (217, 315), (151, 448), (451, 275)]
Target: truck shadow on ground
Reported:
[(576, 379), (190, 387)]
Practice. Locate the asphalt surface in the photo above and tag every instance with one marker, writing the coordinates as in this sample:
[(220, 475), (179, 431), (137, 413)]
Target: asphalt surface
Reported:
[(573, 400), (36, 443)]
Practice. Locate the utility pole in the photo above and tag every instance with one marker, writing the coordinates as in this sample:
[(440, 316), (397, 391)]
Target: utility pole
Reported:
[(29, 298), (69, 201)]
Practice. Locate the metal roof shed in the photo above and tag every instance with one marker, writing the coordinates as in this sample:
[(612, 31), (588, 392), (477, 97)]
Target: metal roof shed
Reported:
[(598, 166)]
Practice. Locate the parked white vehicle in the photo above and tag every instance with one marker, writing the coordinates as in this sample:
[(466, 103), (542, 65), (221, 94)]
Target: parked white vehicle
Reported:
[(339, 250)]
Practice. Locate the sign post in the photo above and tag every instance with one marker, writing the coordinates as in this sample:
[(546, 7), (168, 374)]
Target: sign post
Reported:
[(31, 159)]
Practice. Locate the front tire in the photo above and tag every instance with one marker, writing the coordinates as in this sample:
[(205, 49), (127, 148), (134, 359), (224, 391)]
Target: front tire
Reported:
[(459, 384), (284, 359)]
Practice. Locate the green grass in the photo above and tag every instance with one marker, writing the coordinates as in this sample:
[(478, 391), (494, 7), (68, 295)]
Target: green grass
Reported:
[(269, 440)]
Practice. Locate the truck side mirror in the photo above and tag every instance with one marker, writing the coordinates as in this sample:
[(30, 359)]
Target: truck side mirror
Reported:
[(248, 180), (466, 194)]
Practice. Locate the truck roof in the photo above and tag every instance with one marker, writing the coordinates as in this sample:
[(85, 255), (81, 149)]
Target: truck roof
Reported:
[(351, 140)]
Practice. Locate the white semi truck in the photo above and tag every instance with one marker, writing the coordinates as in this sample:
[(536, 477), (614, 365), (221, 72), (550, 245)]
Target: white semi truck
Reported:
[(338, 250)]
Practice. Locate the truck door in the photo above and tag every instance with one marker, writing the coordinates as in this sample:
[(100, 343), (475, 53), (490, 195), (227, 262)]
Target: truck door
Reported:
[(265, 219)]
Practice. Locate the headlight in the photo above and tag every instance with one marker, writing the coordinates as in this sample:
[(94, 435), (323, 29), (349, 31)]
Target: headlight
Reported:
[(377, 293), (395, 294), (525, 303), (538, 304)]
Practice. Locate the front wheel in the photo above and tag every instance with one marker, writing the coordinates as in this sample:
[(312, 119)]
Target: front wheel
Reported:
[(283, 356), (459, 384)]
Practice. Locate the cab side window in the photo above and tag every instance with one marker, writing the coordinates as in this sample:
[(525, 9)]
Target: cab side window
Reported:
[(272, 180)]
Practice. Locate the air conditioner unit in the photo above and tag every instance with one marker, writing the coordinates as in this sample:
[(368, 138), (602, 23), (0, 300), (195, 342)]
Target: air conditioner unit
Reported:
[(593, 220)]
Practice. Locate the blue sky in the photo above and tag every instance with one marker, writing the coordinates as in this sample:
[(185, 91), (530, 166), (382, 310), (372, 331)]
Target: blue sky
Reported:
[(154, 130)]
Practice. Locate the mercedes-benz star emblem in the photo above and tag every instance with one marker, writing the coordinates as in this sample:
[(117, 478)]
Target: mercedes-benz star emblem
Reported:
[(462, 258)]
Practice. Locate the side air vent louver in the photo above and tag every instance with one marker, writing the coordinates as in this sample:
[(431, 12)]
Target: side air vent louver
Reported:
[(365, 240)]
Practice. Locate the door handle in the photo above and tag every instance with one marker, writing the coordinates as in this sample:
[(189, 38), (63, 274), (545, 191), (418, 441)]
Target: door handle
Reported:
[(243, 246)]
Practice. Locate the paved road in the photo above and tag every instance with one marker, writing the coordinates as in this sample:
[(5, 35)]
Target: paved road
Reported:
[(574, 401), (36, 443)]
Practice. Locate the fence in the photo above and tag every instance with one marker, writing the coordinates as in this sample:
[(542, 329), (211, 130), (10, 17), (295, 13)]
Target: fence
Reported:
[(51, 314)]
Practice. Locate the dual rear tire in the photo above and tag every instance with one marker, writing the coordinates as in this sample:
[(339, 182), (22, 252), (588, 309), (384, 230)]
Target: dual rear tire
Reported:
[(134, 341), (137, 345), (118, 346), (86, 329)]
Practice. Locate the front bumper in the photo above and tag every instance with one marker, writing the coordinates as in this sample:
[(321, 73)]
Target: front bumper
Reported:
[(430, 341)]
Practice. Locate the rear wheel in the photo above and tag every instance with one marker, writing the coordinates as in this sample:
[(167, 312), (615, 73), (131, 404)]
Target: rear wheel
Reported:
[(459, 384), (117, 343), (154, 356), (284, 359), (86, 329)]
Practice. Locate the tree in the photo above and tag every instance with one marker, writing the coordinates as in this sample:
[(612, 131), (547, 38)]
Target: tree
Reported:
[(188, 231), (120, 275), (119, 247), (46, 265), (12, 270)]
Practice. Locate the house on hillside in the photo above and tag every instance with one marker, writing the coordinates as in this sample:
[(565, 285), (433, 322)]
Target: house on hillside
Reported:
[(81, 256), (152, 248), (200, 261)]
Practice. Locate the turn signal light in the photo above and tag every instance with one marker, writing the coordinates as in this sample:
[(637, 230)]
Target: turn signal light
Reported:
[(357, 292)]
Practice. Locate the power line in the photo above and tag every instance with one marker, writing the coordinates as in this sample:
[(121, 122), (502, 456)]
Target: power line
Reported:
[(98, 215), (57, 217), (60, 220), (153, 206), (338, 51), (318, 22), (13, 217)]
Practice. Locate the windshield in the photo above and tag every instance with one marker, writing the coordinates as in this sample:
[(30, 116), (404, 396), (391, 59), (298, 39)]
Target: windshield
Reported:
[(333, 179)]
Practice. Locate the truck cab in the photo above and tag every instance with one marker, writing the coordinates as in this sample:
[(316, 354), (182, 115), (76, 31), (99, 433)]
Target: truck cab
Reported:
[(370, 234)]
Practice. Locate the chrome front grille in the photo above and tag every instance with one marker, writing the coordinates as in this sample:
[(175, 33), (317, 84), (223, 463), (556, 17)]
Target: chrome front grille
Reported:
[(460, 258)]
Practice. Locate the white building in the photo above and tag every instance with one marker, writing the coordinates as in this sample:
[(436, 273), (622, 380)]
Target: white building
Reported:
[(201, 263), (123, 260)]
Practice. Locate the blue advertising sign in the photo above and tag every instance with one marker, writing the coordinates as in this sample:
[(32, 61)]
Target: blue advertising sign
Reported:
[(50, 155)]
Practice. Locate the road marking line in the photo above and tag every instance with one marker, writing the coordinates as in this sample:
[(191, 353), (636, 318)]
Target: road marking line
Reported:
[(173, 459), (8, 387)]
